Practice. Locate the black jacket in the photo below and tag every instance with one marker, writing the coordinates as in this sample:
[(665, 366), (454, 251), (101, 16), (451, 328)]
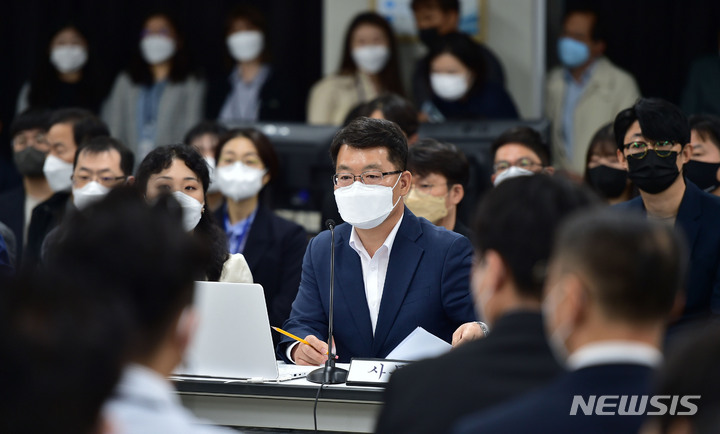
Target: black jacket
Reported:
[(45, 217), (431, 395), (12, 213)]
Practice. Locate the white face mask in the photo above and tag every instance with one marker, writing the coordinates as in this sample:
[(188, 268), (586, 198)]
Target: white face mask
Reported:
[(511, 172), (371, 58), (365, 206), (245, 45), (68, 58), (239, 181), (213, 188), (58, 173), (157, 48), (89, 194), (449, 87), (191, 209)]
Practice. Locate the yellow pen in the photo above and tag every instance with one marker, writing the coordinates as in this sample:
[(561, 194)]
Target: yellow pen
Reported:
[(290, 335)]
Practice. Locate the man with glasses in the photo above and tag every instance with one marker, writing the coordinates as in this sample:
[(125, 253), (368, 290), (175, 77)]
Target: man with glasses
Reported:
[(653, 140), (519, 151), (393, 271)]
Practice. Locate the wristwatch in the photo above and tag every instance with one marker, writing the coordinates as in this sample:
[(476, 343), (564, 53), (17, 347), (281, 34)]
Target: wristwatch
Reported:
[(484, 327)]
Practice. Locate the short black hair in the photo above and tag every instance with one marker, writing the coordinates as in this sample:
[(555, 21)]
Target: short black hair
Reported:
[(431, 156), (84, 123), (139, 252), (204, 127), (101, 144), (659, 120), (262, 144), (465, 50), (525, 136), (444, 5), (707, 127), (598, 32), (63, 349), (206, 230), (634, 267), (366, 133), (397, 109), (30, 119), (519, 219), (603, 141)]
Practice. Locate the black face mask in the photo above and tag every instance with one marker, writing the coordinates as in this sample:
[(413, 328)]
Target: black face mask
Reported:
[(29, 162), (429, 36), (608, 181), (704, 175), (653, 174)]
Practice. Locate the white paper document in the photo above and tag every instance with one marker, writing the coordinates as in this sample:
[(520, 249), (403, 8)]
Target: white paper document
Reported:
[(420, 344)]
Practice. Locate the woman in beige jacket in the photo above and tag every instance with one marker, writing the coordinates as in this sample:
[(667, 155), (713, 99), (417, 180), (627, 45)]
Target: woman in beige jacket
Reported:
[(369, 68)]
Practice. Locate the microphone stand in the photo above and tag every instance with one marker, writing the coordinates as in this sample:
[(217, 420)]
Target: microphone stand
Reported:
[(330, 374)]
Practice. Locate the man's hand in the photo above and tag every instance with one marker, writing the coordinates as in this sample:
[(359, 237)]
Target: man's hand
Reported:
[(313, 354), (466, 333)]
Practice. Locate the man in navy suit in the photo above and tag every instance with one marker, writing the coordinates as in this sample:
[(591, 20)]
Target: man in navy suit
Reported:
[(612, 282), (653, 139), (393, 271)]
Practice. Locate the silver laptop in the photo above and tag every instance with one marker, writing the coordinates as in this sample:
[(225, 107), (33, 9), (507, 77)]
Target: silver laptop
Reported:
[(232, 339)]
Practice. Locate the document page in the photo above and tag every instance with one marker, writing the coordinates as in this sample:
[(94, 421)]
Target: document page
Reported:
[(420, 344)]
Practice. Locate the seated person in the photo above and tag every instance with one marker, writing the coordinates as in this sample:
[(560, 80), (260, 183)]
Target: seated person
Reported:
[(204, 137), (514, 229), (396, 271), (440, 174), (397, 109), (612, 282), (703, 169), (604, 172), (519, 151), (458, 87)]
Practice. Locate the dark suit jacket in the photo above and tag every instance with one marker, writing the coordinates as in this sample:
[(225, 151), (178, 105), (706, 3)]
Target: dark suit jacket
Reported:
[(699, 220), (45, 217), (548, 410), (12, 213), (426, 285), (431, 395), (274, 250)]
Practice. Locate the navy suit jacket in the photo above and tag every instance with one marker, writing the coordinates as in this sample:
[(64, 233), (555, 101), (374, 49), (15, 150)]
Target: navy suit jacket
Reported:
[(427, 285), (698, 219), (548, 409)]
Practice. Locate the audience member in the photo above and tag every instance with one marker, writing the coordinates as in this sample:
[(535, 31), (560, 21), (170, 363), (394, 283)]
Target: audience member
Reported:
[(458, 87), (369, 67), (30, 147), (181, 171), (397, 109), (514, 231), (254, 90), (702, 89), (204, 137), (586, 92), (612, 282), (65, 76), (433, 19), (604, 172), (652, 140), (272, 246), (157, 97), (703, 169), (151, 268), (440, 174), (397, 272), (62, 352), (519, 151), (68, 129)]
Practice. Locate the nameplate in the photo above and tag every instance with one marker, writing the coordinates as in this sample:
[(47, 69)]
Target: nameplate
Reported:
[(372, 372)]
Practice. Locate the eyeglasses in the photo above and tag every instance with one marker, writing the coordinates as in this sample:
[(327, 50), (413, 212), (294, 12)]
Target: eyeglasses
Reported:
[(638, 150), (21, 142), (107, 181), (523, 163), (371, 177)]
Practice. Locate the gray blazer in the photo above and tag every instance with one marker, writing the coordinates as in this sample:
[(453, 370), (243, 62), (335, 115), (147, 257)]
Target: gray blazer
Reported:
[(181, 107)]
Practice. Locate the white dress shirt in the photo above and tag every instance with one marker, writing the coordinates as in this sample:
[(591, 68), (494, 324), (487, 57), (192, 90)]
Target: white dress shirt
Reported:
[(614, 352), (145, 402)]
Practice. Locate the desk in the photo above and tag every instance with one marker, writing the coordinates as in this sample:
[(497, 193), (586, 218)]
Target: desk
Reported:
[(286, 405)]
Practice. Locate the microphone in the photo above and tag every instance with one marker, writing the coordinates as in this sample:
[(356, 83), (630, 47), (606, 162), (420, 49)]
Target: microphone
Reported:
[(330, 374)]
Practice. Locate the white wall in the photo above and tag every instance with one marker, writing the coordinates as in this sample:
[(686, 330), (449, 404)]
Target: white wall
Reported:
[(515, 32)]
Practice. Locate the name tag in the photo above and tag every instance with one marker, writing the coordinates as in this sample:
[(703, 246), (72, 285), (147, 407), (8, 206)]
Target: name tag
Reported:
[(372, 372)]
